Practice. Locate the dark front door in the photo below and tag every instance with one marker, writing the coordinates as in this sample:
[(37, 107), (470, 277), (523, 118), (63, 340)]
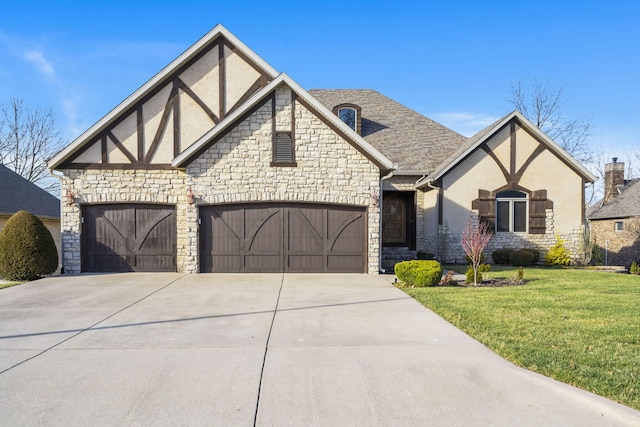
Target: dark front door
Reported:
[(398, 219), (278, 237), (128, 237)]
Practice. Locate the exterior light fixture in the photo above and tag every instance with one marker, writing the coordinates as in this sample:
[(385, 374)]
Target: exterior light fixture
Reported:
[(374, 196), (69, 197), (190, 196)]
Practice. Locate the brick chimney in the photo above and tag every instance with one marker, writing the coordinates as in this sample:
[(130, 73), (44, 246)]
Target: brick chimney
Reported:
[(613, 177)]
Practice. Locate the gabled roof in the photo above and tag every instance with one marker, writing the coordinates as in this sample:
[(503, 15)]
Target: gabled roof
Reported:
[(624, 205), (414, 142), (154, 82), (485, 134), (20, 194), (229, 122)]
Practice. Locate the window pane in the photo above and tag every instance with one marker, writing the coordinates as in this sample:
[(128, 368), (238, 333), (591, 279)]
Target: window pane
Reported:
[(503, 216), (520, 216), (348, 115), (511, 194)]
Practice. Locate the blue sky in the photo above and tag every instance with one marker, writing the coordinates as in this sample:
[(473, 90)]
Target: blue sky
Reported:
[(451, 61)]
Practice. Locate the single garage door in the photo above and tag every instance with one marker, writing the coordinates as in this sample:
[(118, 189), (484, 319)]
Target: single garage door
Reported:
[(128, 237), (277, 237)]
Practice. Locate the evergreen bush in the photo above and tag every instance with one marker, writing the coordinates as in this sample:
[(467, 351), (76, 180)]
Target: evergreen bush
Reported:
[(27, 249), (419, 273), (635, 268), (522, 258), (482, 268), (558, 254), (501, 256)]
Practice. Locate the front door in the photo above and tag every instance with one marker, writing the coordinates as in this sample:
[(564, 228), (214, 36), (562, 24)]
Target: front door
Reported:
[(398, 219)]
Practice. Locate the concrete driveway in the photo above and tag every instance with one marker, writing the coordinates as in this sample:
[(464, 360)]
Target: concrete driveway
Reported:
[(268, 350)]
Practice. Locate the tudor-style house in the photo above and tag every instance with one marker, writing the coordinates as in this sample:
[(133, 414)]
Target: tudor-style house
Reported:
[(221, 164)]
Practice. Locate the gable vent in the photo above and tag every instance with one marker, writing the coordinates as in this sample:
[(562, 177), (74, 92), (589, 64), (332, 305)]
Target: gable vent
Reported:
[(283, 149)]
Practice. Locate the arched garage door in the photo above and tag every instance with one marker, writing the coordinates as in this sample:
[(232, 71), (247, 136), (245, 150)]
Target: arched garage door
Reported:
[(128, 237), (277, 237)]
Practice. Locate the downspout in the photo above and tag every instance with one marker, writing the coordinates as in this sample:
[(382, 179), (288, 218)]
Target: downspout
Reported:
[(380, 201), (433, 187)]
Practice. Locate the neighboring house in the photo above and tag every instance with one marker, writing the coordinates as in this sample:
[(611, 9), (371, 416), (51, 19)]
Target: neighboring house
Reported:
[(20, 194), (221, 164), (615, 220)]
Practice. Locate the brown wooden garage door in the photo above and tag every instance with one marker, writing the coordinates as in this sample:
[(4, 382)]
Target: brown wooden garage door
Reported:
[(282, 238), (128, 237)]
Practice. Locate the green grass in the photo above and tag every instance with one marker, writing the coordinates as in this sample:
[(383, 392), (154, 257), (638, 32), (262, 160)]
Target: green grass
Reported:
[(9, 284), (580, 327)]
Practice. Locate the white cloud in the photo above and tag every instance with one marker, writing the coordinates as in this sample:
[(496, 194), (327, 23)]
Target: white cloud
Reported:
[(464, 123), (37, 58)]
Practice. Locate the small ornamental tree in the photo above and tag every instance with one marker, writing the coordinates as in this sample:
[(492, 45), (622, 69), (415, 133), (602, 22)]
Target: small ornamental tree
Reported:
[(474, 239), (27, 249)]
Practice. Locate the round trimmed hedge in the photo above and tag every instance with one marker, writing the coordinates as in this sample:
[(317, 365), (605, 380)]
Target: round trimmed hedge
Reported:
[(419, 273), (27, 249)]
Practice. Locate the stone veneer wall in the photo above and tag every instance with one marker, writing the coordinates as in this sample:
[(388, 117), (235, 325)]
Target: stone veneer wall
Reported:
[(236, 170), (617, 247), (448, 248), (329, 170), (94, 186)]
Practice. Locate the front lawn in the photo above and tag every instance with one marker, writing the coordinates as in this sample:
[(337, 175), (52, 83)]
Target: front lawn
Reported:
[(580, 327)]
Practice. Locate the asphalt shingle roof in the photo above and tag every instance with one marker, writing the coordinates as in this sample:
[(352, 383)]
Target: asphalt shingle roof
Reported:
[(626, 204), (18, 193), (409, 139)]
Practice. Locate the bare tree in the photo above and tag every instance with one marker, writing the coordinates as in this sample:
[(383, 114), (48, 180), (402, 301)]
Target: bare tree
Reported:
[(29, 137), (544, 105), (475, 237)]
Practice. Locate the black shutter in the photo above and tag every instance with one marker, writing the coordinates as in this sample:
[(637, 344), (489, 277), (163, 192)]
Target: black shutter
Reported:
[(538, 204), (486, 206)]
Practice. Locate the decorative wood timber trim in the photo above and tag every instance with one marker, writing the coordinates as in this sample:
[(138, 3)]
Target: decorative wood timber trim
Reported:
[(491, 154), (121, 147), (245, 58), (222, 78), (103, 149), (258, 84), (176, 118), (186, 89), (140, 127), (512, 151), (112, 166), (293, 124), (440, 202), (161, 127), (539, 150)]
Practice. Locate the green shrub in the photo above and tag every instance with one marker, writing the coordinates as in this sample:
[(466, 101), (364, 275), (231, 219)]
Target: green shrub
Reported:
[(419, 273), (522, 257), (27, 250), (558, 254), (501, 256), (468, 260), (425, 255), (635, 268), (536, 255), (482, 268)]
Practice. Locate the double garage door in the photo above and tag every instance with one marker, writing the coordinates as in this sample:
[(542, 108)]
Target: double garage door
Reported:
[(271, 237)]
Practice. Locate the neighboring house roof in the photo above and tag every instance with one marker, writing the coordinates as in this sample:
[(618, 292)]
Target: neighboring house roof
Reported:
[(158, 79), (624, 205), (485, 134), (18, 193), (414, 142), (360, 143)]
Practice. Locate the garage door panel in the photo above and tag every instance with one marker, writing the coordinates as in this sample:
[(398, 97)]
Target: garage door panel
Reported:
[(281, 237), (128, 237)]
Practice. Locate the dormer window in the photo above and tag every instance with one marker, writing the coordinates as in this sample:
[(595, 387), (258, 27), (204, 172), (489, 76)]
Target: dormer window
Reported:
[(350, 115)]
